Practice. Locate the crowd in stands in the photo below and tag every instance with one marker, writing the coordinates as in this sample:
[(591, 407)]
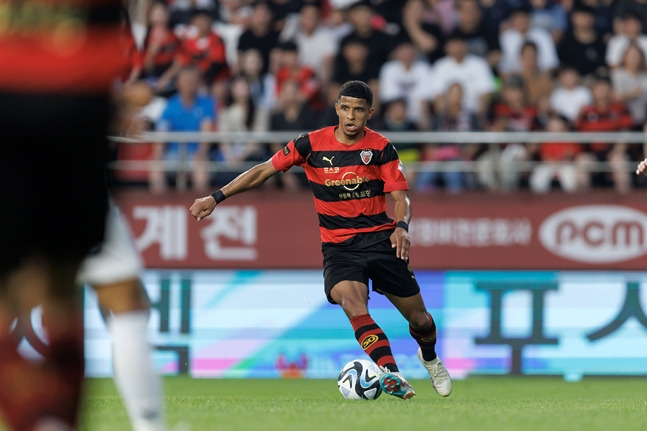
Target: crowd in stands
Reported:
[(434, 65)]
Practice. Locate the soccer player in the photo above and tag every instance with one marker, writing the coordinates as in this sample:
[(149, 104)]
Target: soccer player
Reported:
[(59, 59), (350, 169), (113, 273)]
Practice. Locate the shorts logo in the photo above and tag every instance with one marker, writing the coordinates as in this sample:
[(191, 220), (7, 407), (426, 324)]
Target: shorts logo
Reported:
[(286, 150), (368, 341), (366, 156)]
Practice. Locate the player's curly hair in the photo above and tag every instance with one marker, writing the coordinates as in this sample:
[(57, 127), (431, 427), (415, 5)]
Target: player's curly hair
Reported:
[(357, 89)]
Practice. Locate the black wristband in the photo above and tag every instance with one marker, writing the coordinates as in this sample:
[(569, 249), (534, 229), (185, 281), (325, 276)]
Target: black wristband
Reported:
[(403, 224), (219, 196)]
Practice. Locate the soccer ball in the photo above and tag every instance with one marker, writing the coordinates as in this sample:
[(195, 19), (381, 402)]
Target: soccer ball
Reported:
[(360, 380)]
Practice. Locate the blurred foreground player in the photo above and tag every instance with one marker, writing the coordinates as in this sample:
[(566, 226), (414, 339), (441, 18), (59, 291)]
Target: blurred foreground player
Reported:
[(350, 169), (59, 58), (113, 273)]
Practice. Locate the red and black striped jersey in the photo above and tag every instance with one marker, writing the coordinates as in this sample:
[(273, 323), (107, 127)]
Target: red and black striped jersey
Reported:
[(54, 46), (207, 54), (349, 182)]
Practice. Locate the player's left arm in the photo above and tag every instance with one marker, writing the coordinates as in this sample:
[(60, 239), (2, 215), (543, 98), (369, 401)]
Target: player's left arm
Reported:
[(400, 237)]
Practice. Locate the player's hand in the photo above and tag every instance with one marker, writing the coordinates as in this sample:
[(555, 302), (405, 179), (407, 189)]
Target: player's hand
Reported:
[(202, 207), (642, 168), (401, 242)]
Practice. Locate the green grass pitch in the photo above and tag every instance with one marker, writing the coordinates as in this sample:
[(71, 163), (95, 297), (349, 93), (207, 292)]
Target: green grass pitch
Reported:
[(483, 403)]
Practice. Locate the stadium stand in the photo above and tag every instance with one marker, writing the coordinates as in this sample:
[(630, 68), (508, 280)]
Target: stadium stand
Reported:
[(516, 65)]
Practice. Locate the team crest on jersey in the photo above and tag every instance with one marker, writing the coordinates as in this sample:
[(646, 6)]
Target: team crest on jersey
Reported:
[(366, 156)]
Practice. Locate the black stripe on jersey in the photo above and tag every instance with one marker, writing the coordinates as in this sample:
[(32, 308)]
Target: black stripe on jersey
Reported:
[(359, 222), (303, 145), (332, 193)]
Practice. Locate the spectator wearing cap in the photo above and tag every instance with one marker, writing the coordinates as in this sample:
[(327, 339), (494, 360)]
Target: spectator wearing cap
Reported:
[(402, 78), (630, 83), (570, 96), (471, 72), (482, 40), (426, 36), (260, 35), (630, 31), (583, 47), (513, 38), (607, 115)]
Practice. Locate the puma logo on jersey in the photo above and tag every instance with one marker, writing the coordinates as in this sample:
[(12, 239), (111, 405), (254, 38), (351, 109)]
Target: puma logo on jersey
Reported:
[(329, 160)]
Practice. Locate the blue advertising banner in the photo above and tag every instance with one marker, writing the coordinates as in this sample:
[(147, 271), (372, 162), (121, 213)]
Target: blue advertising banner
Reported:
[(279, 324)]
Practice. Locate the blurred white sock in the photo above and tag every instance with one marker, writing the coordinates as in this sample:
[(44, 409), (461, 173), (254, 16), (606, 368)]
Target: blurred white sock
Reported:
[(137, 381)]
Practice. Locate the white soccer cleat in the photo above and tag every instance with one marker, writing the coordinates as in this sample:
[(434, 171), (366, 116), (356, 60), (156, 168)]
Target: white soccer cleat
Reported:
[(440, 379)]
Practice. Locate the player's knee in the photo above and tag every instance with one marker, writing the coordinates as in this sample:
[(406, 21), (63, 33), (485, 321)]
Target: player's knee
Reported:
[(122, 297), (419, 319)]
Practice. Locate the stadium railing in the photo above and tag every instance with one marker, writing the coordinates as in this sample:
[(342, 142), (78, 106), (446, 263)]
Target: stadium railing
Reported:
[(397, 138)]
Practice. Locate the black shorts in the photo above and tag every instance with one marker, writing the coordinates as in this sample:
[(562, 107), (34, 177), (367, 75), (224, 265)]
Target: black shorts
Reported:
[(377, 263), (53, 197)]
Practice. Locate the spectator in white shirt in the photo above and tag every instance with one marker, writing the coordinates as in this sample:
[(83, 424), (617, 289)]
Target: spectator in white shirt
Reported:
[(471, 72), (520, 31), (630, 32), (402, 77), (569, 98), (317, 44)]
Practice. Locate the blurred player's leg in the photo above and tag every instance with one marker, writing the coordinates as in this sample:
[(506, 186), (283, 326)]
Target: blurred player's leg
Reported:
[(114, 274), (53, 200), (47, 394)]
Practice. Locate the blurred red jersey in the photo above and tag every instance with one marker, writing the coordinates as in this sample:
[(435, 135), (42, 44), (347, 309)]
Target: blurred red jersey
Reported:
[(60, 46)]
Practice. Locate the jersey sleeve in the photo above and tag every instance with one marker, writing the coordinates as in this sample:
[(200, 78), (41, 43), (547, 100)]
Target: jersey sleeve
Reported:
[(294, 153), (392, 171)]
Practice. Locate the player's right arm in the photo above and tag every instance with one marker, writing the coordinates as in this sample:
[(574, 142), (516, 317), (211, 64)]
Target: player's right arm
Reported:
[(294, 153), (249, 179)]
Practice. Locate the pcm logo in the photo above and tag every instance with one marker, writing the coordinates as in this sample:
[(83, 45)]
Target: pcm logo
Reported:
[(596, 233)]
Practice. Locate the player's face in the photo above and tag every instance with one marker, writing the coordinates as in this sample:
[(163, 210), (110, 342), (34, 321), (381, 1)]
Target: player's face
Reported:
[(353, 114)]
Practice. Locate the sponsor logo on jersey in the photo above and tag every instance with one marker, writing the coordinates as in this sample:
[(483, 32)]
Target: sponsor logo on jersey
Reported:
[(329, 160), (350, 181), (368, 341), (286, 150), (333, 170), (366, 156)]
